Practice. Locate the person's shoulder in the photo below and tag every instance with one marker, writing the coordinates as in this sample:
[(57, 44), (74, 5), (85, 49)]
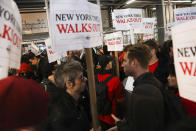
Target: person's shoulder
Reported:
[(147, 89)]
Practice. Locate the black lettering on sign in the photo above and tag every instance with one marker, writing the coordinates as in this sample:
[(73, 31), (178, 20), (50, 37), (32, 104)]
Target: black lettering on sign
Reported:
[(186, 52), (8, 16)]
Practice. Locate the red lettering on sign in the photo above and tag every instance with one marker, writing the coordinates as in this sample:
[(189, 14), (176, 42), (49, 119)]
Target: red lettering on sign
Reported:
[(6, 32), (84, 29), (62, 28), (128, 20), (10, 35), (186, 68), (71, 29), (75, 28), (185, 18), (51, 52)]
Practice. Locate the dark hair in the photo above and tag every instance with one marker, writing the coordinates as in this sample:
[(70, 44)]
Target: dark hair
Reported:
[(25, 58), (31, 55), (151, 44), (67, 72), (140, 52), (172, 71), (165, 49), (104, 60), (126, 48), (105, 50)]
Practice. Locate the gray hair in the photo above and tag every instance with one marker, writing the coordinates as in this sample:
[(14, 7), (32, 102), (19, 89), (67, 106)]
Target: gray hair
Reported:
[(67, 72)]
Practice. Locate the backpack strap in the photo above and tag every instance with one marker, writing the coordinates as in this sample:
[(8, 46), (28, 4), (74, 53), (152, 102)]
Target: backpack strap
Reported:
[(108, 79), (105, 81)]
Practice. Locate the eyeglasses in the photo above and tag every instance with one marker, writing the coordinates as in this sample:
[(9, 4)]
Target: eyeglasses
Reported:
[(81, 77)]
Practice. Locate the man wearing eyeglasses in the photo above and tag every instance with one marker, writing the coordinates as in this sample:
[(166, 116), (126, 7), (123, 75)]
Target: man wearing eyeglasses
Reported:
[(66, 112)]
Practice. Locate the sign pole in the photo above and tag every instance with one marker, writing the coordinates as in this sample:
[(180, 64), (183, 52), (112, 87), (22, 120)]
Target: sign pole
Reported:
[(142, 37), (92, 90), (91, 82)]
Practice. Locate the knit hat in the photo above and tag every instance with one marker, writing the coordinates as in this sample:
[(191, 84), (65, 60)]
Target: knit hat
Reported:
[(104, 60), (23, 103)]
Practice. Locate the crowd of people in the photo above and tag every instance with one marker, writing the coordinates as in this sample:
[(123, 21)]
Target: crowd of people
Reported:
[(43, 96)]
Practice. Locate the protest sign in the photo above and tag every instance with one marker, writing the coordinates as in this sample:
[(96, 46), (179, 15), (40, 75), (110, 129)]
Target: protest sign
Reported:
[(75, 25), (52, 56), (168, 31), (10, 34), (113, 20), (184, 47), (148, 36), (114, 41), (132, 36), (35, 49), (148, 25), (184, 14), (148, 28), (127, 18)]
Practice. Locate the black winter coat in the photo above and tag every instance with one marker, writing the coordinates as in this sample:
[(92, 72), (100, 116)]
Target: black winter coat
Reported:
[(44, 69), (145, 106), (65, 114), (163, 68)]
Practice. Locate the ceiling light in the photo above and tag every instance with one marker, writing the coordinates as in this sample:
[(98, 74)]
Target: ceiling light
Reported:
[(129, 2), (180, 1), (194, 2)]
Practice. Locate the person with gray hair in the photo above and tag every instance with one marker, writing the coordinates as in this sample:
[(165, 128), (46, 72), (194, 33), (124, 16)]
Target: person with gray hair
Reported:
[(66, 113)]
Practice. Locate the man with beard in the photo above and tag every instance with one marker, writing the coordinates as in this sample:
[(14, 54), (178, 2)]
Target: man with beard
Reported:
[(145, 105)]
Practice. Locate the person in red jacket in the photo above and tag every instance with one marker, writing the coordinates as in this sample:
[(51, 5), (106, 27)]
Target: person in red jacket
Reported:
[(115, 90), (189, 106)]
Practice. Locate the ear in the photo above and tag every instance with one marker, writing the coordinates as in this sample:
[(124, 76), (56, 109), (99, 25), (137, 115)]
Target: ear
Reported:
[(68, 84), (135, 62)]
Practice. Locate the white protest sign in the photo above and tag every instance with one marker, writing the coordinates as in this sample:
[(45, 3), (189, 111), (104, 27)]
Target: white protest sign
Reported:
[(114, 41), (10, 34), (35, 49), (127, 18), (148, 25), (184, 14), (129, 84), (148, 36), (75, 25), (132, 36), (52, 56), (168, 31), (184, 47), (113, 20)]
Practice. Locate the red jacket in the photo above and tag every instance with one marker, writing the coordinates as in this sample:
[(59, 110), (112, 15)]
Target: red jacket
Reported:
[(115, 88), (189, 106)]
